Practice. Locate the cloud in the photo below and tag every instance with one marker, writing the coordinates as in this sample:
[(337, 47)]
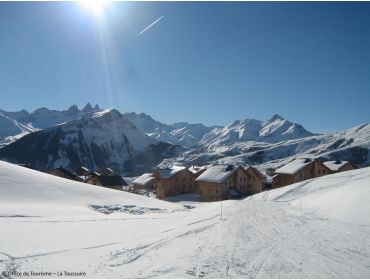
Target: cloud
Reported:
[(149, 26)]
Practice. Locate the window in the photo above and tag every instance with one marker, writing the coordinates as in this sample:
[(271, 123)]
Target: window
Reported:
[(183, 186), (217, 191), (225, 183), (183, 179), (300, 175), (319, 171)]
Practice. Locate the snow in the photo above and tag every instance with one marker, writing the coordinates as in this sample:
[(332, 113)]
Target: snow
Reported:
[(294, 166), (216, 173), (144, 179), (335, 165), (169, 172), (312, 229)]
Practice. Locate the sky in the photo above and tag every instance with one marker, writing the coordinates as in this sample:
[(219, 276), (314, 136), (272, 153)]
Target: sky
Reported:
[(207, 62)]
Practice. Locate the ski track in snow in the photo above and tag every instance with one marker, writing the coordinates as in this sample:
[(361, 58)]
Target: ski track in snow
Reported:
[(290, 232), (249, 249)]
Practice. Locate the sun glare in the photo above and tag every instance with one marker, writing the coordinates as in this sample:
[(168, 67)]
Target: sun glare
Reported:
[(95, 7)]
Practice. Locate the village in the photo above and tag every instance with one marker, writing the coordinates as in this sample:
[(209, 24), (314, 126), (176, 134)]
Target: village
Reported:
[(205, 184)]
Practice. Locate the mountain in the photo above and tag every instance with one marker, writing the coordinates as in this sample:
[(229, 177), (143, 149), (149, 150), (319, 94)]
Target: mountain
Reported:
[(228, 147), (11, 127), (181, 133), (313, 229), (273, 130), (95, 140)]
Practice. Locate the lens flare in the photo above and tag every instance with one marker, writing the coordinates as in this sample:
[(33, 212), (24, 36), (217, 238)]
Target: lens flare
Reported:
[(94, 7)]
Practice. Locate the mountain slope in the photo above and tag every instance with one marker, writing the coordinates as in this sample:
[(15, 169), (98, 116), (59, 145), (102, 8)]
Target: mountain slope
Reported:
[(313, 229), (352, 144), (182, 133), (98, 139), (273, 130)]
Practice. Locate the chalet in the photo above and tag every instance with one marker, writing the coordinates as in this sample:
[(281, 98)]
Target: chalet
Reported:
[(145, 181), (299, 170), (82, 172), (225, 181), (108, 181), (339, 166), (64, 173), (173, 181)]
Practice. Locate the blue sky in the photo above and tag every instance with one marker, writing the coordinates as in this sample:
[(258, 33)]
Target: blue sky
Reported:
[(209, 62)]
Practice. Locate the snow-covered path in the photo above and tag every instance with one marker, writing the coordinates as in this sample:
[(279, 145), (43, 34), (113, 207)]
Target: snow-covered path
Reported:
[(286, 233)]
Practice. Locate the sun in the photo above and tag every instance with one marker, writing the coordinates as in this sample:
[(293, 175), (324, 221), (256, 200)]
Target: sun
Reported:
[(95, 7)]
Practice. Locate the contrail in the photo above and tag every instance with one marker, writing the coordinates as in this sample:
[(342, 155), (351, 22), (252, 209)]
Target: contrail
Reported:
[(149, 26)]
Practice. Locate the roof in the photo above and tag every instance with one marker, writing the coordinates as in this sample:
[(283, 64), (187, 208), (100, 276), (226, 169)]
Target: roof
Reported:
[(255, 170), (114, 180), (294, 166), (128, 180), (106, 171), (335, 165), (143, 179), (169, 172), (81, 170), (217, 173), (195, 169), (64, 172)]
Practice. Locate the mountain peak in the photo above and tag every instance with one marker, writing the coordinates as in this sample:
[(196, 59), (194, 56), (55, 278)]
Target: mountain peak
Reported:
[(73, 108), (276, 117), (87, 107), (96, 107)]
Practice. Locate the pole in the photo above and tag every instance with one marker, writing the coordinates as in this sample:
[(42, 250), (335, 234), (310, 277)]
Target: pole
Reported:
[(221, 209)]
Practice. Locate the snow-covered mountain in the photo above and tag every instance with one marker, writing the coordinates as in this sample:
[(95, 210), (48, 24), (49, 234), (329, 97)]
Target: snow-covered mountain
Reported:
[(95, 140), (352, 144), (273, 130), (14, 125), (181, 133), (313, 229)]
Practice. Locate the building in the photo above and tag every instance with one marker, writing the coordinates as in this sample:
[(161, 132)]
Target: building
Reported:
[(108, 181), (82, 172), (339, 166), (224, 181), (145, 181), (299, 170), (173, 181), (64, 173)]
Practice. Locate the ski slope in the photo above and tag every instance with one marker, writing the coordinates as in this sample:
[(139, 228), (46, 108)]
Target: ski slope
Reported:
[(314, 229)]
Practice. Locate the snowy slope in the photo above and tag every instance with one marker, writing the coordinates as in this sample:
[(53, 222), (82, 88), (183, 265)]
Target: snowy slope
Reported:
[(10, 127), (98, 139), (314, 229)]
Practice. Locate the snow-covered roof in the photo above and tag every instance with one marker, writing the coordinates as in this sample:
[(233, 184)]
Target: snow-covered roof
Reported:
[(169, 172), (195, 169), (335, 165), (217, 173), (294, 166), (143, 179)]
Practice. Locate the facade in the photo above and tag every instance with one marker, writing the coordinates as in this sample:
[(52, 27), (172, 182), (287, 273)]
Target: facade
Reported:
[(299, 170), (339, 166), (173, 181), (108, 181), (223, 181)]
